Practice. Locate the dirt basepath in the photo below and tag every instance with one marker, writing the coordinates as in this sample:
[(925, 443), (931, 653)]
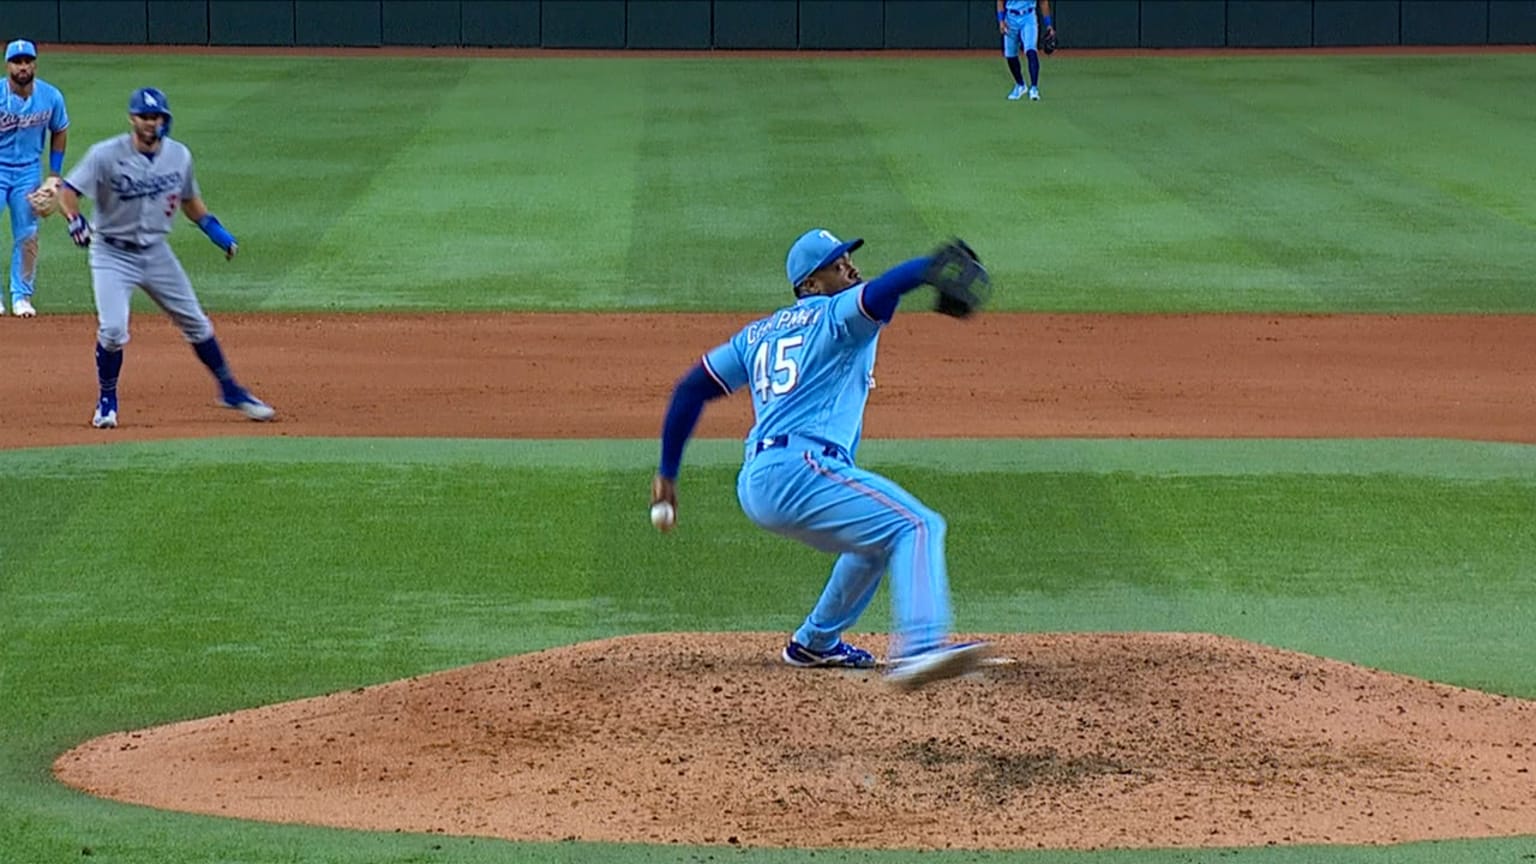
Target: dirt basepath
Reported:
[(596, 376)]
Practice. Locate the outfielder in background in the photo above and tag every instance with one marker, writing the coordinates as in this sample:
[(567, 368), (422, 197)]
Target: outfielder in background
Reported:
[(809, 368), (33, 108), (1016, 21), (138, 181)]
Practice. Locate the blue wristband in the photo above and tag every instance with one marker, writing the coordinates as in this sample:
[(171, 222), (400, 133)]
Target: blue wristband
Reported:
[(1001, 14), (56, 161), (215, 231), (1047, 19)]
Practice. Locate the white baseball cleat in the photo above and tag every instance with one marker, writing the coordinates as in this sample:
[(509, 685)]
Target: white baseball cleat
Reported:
[(1016, 93), (1034, 94), (937, 664), (241, 400), (106, 413), (23, 308)]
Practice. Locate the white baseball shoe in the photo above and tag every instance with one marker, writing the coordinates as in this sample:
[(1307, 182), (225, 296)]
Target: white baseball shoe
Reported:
[(23, 308), (937, 664), (241, 400), (1016, 93), (1034, 94), (106, 413)]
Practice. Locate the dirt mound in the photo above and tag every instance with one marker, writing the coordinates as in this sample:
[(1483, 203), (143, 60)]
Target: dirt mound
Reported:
[(1083, 741)]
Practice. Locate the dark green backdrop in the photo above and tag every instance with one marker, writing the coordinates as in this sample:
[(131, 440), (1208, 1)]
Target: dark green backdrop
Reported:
[(782, 24)]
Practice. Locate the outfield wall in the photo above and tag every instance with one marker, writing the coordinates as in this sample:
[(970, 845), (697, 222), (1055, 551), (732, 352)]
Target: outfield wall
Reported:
[(766, 24)]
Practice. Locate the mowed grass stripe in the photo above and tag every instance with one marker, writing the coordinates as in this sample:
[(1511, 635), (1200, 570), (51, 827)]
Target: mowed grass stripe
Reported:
[(1453, 107), (1408, 457), (1270, 180), (515, 187), (1147, 184), (738, 159)]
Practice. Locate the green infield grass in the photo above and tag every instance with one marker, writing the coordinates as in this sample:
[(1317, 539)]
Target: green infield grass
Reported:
[(1328, 184), (147, 583)]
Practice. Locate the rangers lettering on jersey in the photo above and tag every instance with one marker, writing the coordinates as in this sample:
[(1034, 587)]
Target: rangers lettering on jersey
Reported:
[(10, 122)]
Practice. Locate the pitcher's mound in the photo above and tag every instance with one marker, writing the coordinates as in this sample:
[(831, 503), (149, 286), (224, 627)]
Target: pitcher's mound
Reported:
[(1084, 741)]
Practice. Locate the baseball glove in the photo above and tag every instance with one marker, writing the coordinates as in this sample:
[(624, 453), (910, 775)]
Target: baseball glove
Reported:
[(962, 283), (45, 198), (1048, 44)]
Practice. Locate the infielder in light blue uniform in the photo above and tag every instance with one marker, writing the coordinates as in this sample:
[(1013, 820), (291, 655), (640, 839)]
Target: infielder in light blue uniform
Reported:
[(1016, 21), (809, 368), (138, 181), (33, 109)]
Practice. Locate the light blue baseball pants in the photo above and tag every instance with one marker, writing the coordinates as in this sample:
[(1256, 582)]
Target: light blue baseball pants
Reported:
[(16, 183), (813, 495), (1022, 35)]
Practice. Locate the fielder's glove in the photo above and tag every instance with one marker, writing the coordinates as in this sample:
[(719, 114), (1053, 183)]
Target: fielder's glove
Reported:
[(962, 283), (1048, 44), (45, 198), (80, 230)]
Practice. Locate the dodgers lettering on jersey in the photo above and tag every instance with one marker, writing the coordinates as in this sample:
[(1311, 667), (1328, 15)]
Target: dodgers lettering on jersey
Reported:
[(136, 197), (1019, 8), (810, 367), (25, 124)]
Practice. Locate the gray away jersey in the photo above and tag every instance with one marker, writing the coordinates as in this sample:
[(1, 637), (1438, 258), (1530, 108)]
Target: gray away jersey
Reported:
[(136, 197)]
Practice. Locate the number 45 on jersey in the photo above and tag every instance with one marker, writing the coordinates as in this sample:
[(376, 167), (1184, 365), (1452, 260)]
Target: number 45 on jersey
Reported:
[(785, 373)]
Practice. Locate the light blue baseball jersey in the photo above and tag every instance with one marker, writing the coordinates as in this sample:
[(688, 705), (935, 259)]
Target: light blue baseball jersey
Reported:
[(26, 123), (810, 367), (1019, 8)]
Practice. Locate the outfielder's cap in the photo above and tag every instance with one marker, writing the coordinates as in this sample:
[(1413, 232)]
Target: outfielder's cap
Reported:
[(20, 48), (814, 250)]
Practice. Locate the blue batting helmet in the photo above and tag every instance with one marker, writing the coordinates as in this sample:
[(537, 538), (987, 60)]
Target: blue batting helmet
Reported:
[(148, 100)]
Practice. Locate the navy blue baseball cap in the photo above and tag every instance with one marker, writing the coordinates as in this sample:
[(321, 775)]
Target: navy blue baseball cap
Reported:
[(814, 250), (20, 48)]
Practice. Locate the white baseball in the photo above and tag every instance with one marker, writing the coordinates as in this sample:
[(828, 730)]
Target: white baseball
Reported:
[(663, 516)]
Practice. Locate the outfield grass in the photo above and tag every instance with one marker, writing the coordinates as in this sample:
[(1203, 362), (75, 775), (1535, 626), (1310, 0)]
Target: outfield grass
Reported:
[(1324, 184), (147, 583)]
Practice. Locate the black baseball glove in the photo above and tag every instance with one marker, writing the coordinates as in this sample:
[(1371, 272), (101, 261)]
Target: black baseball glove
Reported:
[(1048, 44), (962, 283)]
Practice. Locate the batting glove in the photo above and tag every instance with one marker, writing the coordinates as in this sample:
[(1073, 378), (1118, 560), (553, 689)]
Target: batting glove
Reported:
[(80, 230)]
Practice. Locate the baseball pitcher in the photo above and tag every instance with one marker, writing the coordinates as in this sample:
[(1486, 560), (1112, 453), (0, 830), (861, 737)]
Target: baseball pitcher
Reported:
[(33, 109), (809, 368), (138, 181), (1016, 21)]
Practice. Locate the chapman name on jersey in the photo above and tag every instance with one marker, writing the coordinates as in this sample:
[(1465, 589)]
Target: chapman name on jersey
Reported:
[(783, 320)]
